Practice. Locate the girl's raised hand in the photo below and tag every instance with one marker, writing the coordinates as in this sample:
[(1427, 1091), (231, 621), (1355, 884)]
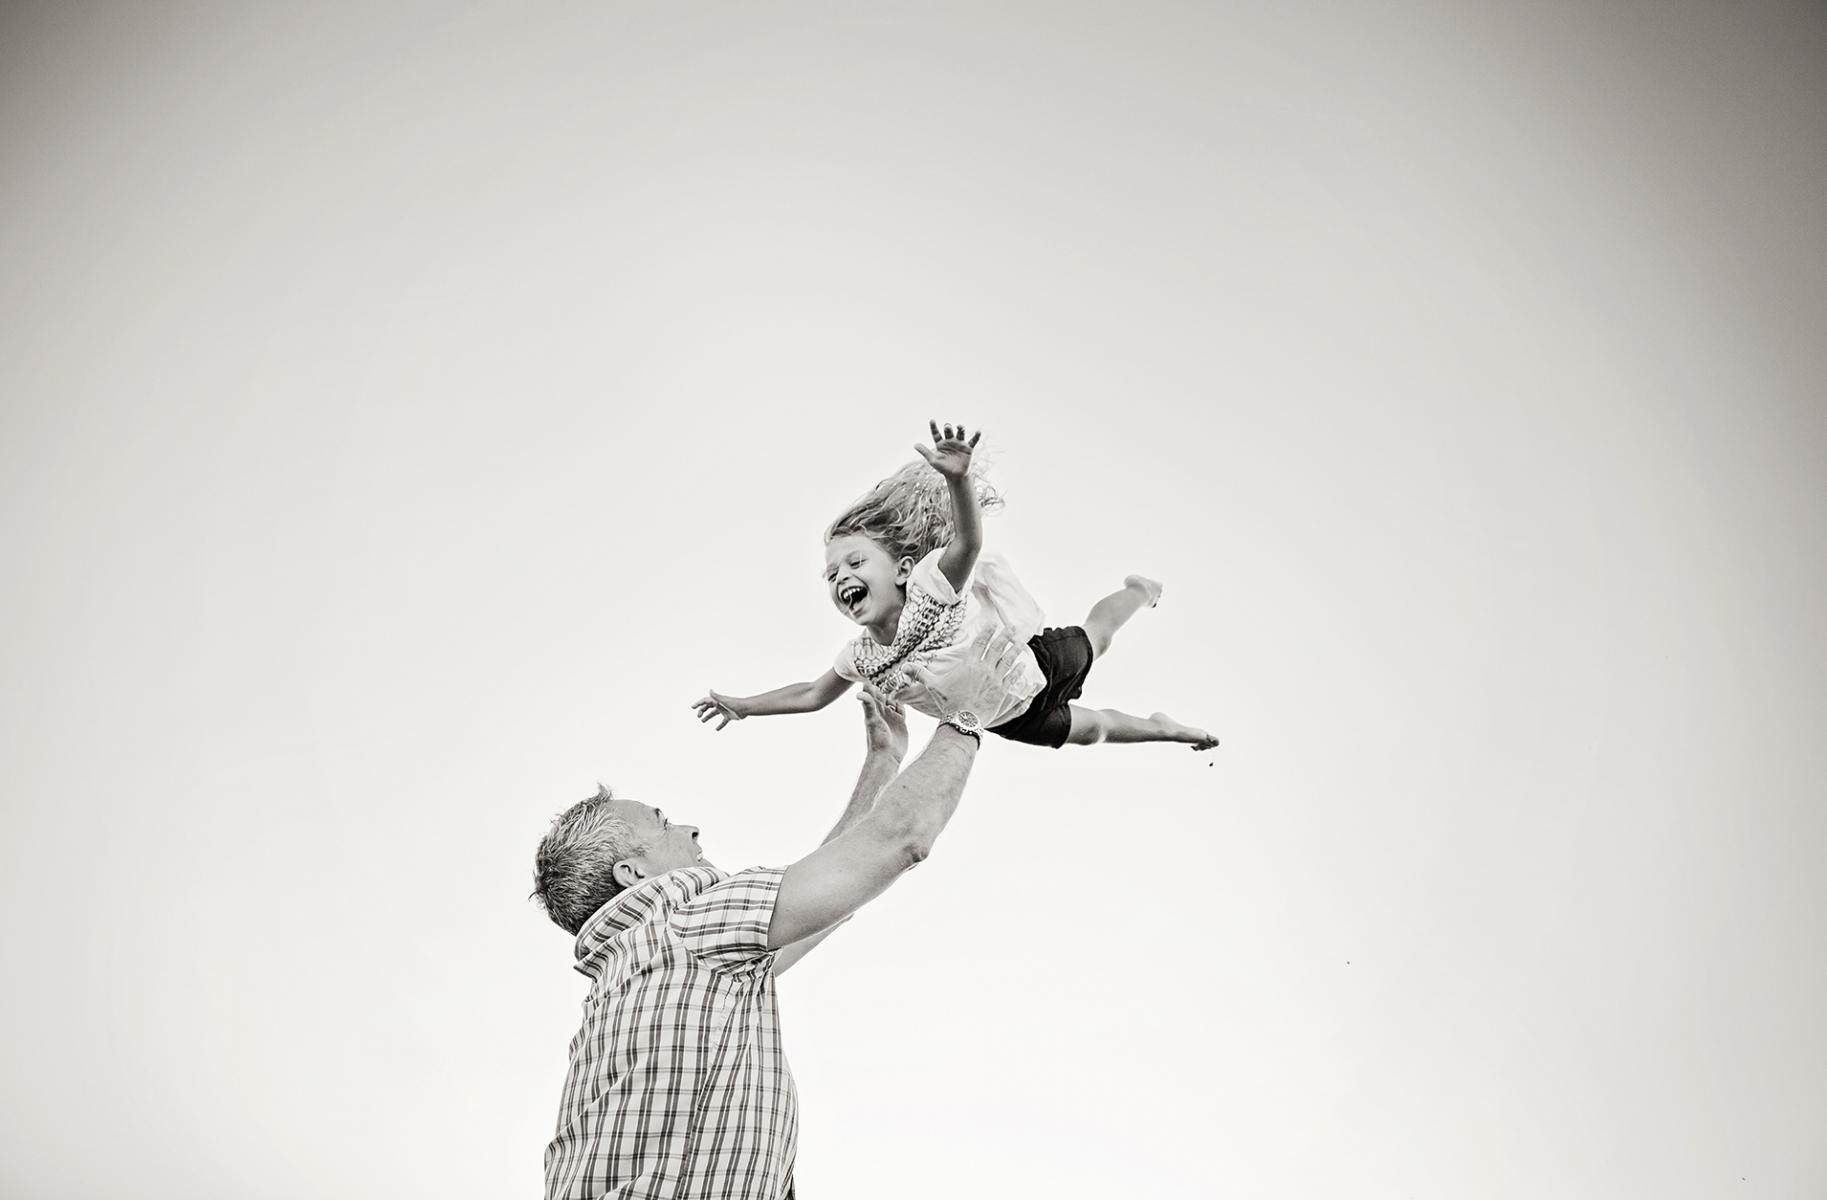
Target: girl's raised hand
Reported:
[(951, 453)]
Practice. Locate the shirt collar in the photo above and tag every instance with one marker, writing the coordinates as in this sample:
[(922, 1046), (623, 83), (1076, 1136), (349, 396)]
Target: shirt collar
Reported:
[(647, 900)]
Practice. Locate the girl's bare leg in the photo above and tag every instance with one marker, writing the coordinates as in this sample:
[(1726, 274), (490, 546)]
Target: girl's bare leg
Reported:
[(1093, 725), (1113, 611)]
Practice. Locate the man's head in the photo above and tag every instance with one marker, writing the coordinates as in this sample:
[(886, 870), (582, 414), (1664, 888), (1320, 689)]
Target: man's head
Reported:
[(601, 845)]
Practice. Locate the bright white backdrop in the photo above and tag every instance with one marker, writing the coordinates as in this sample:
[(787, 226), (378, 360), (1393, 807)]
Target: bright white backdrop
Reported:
[(407, 411)]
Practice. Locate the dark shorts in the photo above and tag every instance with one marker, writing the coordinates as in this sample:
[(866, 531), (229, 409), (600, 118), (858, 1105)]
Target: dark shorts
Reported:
[(1065, 659)]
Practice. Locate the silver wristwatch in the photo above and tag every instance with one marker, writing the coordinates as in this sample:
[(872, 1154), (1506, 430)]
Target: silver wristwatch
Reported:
[(964, 721)]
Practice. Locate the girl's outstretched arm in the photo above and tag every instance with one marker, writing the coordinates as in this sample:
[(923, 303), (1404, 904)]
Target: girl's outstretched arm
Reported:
[(794, 698), (951, 457)]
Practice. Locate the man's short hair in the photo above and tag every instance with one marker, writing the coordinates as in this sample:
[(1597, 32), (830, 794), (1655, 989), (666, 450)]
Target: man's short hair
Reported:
[(574, 867)]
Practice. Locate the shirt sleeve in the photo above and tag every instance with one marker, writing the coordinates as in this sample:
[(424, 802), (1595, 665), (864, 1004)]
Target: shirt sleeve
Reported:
[(726, 926), (930, 579)]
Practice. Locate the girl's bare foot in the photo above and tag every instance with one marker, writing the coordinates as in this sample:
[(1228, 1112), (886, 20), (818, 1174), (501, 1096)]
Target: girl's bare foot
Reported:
[(1198, 739), (1148, 587)]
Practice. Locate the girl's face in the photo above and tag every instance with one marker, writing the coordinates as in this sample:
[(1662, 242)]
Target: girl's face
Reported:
[(864, 582)]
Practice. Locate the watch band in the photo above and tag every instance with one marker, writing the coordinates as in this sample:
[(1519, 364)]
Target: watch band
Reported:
[(965, 721)]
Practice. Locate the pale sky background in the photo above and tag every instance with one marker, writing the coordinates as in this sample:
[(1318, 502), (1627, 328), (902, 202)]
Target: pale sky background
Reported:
[(407, 411)]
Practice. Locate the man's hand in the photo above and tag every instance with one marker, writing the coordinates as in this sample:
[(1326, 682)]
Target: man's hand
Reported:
[(884, 724), (979, 687), (712, 706), (951, 453)]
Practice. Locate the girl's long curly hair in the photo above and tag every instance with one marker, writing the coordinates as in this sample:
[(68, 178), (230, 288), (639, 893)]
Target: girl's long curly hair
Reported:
[(909, 514)]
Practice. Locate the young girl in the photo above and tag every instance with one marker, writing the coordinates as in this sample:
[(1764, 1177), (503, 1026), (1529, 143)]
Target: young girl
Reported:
[(905, 563)]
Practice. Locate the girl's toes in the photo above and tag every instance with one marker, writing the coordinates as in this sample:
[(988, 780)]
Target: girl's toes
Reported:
[(1149, 587), (1198, 739)]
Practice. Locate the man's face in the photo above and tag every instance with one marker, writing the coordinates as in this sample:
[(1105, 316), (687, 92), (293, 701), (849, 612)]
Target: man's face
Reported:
[(669, 845)]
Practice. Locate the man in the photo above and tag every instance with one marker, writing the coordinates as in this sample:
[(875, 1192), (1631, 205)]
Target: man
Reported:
[(677, 1086)]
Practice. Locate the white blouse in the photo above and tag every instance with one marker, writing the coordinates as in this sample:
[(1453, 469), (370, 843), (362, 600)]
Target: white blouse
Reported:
[(936, 626)]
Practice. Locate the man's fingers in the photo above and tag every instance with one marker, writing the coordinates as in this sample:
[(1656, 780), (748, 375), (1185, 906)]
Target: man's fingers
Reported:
[(991, 644), (980, 645), (1008, 660)]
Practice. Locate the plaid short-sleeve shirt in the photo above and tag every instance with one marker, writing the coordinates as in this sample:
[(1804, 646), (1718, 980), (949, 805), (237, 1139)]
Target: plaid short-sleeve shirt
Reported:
[(678, 1089)]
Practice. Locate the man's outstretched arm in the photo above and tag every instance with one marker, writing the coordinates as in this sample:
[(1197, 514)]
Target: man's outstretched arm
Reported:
[(885, 733), (860, 863)]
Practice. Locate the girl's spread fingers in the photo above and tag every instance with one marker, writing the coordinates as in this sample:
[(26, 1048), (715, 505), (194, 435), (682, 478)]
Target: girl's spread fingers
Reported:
[(974, 437), (935, 428)]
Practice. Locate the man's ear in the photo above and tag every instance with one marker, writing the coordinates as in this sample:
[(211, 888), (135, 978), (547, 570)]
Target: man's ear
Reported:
[(627, 872)]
